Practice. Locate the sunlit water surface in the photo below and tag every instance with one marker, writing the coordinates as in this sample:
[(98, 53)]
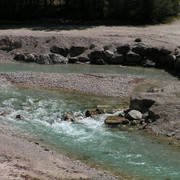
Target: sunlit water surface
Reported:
[(90, 140)]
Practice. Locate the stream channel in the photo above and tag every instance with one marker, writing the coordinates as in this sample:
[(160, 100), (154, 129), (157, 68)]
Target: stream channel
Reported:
[(126, 152)]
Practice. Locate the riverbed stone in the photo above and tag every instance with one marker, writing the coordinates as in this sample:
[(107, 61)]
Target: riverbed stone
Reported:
[(116, 59), (123, 49), (167, 61), (58, 59), (31, 58), (177, 64), (72, 60), (134, 115), (116, 120), (148, 63), (140, 49), (77, 50), (94, 112), (165, 51), (69, 116), (133, 58), (97, 53), (108, 53), (19, 57), (44, 59), (2, 112), (64, 51)]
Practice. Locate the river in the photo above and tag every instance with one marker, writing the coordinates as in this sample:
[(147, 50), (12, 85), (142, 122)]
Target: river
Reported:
[(124, 152)]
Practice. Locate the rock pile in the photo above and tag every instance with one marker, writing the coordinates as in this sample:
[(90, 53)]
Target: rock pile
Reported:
[(124, 54)]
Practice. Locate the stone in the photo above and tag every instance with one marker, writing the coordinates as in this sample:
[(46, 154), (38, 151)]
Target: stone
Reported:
[(58, 59), (19, 117), (134, 115), (140, 49), (123, 49), (77, 50), (94, 112), (83, 59), (177, 64), (108, 54), (142, 102), (31, 58), (166, 61), (165, 51), (116, 59), (44, 59), (69, 116), (59, 50), (2, 113), (154, 52), (133, 58), (72, 60), (97, 53), (116, 120), (19, 57), (98, 61)]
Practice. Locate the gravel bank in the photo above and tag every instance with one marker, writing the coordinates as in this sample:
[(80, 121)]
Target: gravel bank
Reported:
[(100, 84)]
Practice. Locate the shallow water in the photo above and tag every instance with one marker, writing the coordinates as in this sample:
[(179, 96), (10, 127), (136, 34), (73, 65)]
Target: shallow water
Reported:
[(125, 152)]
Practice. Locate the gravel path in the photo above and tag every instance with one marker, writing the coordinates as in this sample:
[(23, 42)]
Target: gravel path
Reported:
[(99, 84)]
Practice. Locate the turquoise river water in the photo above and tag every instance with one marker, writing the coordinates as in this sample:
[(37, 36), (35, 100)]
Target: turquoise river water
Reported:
[(126, 152)]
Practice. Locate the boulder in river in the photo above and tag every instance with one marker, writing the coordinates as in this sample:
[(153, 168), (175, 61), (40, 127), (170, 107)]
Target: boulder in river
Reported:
[(69, 116), (140, 49), (58, 59), (97, 53), (134, 115), (133, 58), (44, 59), (116, 59), (94, 112)]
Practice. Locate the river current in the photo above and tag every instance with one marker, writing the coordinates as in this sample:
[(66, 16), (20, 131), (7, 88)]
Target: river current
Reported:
[(125, 152)]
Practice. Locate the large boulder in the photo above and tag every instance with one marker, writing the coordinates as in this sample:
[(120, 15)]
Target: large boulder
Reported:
[(19, 57), (94, 112), (116, 120), (116, 59), (31, 58), (77, 50), (44, 59), (140, 49), (123, 49), (58, 59), (134, 115), (97, 53), (133, 58), (166, 61), (177, 64), (165, 51), (60, 50)]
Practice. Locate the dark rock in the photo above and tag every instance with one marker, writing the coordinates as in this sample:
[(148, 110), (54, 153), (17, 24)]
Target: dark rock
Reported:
[(140, 49), (154, 52), (165, 51), (77, 50), (116, 59), (58, 59), (92, 46), (44, 59), (59, 50), (116, 120), (98, 61), (138, 40), (19, 57), (97, 53), (94, 112), (83, 59), (177, 64), (123, 49), (177, 53), (142, 102), (166, 61), (19, 117), (72, 60), (134, 115), (69, 116), (133, 58)]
